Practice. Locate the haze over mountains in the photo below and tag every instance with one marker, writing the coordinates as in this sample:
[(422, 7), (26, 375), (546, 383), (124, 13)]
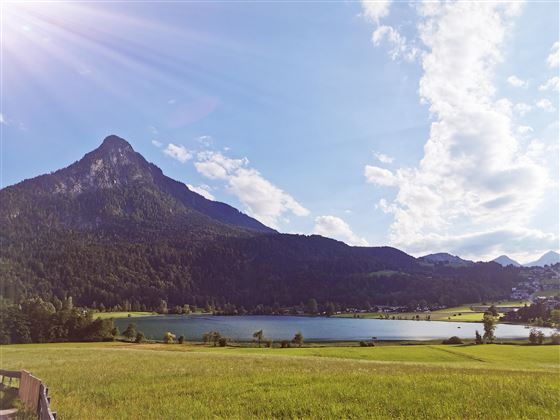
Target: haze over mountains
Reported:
[(112, 228)]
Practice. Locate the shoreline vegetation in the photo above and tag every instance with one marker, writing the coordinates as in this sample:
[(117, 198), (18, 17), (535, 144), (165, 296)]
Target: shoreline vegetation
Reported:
[(463, 313), (152, 380)]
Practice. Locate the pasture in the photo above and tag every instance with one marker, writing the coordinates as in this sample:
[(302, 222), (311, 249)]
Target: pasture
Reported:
[(129, 381)]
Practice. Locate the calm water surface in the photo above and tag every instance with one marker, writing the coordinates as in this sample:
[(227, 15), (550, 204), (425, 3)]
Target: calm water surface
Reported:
[(314, 328)]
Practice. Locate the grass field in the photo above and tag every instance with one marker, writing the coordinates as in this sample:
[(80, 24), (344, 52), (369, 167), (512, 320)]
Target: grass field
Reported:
[(462, 313), (547, 293), (130, 381), (106, 315)]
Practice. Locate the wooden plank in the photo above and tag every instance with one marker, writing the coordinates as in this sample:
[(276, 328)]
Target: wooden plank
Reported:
[(45, 412), (29, 388), (10, 373)]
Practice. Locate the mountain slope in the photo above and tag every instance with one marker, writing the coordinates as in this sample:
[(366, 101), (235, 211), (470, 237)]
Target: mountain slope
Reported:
[(550, 258), (112, 228), (111, 185), (445, 258), (504, 261)]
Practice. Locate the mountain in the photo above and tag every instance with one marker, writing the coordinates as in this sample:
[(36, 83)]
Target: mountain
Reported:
[(113, 184), (445, 258), (550, 258), (111, 229), (504, 260)]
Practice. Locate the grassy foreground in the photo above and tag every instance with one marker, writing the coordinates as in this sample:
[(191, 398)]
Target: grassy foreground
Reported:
[(130, 381)]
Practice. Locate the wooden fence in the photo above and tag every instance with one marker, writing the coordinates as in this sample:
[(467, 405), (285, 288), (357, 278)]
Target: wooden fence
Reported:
[(33, 393)]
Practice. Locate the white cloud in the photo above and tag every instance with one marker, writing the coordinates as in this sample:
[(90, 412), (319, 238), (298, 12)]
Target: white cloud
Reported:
[(205, 140), (554, 56), (383, 158), (551, 84), (335, 227), (153, 130), (380, 176), (516, 81), (3, 119), (375, 10), (522, 108), (179, 153), (524, 129), (476, 185), (545, 105), (203, 190), (399, 47), (262, 200), (157, 143)]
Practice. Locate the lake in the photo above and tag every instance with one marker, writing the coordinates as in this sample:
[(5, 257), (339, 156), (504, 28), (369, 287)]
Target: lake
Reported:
[(241, 328)]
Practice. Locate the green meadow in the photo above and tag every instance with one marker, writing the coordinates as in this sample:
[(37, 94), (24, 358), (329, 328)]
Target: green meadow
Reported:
[(107, 315), (153, 381), (462, 313)]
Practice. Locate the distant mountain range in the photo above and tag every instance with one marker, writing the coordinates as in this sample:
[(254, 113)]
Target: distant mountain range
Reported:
[(112, 229), (504, 260), (550, 258)]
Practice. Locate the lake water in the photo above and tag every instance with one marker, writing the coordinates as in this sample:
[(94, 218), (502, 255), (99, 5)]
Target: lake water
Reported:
[(241, 328)]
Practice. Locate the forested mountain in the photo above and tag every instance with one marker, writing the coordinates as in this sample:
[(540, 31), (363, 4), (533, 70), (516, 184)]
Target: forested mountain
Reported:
[(112, 228), (445, 258)]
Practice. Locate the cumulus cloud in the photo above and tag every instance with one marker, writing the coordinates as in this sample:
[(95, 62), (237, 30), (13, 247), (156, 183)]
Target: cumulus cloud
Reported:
[(262, 199), (383, 158), (157, 143), (476, 185), (551, 84), (380, 176), (554, 57), (375, 10), (203, 190), (516, 81), (179, 153), (335, 227), (545, 105)]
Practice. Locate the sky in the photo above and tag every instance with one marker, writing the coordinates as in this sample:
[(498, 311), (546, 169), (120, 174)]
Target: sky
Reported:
[(427, 126)]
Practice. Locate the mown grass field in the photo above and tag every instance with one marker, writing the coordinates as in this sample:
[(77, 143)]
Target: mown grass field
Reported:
[(131, 381), (456, 314), (106, 315)]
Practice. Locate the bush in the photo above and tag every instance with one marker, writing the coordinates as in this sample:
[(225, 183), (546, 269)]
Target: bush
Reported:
[(536, 336), (367, 344), (140, 338), (363, 344), (169, 338), (181, 340), (555, 338), (452, 340), (285, 344), (222, 341)]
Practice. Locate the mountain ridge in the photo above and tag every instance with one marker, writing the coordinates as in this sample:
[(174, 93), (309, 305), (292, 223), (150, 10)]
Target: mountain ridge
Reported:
[(115, 164), (112, 228)]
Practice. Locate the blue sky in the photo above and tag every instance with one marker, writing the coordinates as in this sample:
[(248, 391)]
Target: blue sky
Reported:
[(430, 127)]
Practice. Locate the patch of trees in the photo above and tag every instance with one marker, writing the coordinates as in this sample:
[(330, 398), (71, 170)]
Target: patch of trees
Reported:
[(537, 314), (37, 321)]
